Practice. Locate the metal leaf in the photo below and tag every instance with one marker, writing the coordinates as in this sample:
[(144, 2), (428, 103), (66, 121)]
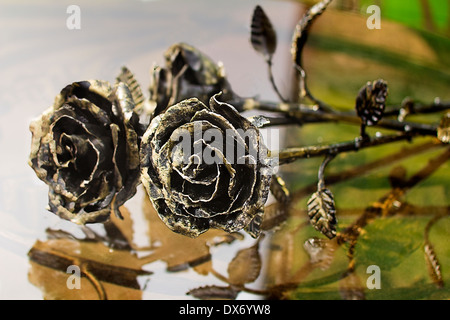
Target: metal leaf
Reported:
[(322, 212), (371, 101), (263, 36), (127, 77), (443, 131), (254, 227), (434, 267), (302, 29), (279, 190), (321, 208), (214, 292), (245, 266), (99, 266)]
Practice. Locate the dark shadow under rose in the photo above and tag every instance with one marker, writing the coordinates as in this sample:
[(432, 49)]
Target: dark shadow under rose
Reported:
[(86, 149), (194, 180)]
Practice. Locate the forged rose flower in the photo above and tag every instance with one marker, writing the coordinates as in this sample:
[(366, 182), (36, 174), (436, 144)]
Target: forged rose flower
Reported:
[(188, 73), (205, 167), (85, 147)]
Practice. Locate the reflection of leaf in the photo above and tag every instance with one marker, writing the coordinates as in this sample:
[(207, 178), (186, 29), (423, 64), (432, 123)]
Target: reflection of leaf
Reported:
[(279, 189), (178, 251), (397, 177), (322, 212), (263, 36), (388, 241), (119, 233), (105, 273), (274, 215), (434, 267), (245, 266), (214, 292), (350, 287), (320, 251), (371, 101)]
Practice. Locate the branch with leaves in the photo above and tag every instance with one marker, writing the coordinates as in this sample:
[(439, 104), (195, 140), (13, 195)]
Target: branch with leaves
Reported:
[(370, 108)]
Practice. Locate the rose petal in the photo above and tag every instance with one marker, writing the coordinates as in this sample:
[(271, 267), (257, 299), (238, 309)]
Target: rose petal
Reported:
[(173, 118), (185, 223)]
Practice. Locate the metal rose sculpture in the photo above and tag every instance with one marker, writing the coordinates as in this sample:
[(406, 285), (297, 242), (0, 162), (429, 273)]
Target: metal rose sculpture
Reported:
[(205, 167), (188, 73), (86, 148)]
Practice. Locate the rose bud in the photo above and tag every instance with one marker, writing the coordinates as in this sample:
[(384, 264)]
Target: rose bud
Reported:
[(205, 167), (86, 149), (187, 73)]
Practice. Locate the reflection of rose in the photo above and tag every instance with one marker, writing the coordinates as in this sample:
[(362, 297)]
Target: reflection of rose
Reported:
[(205, 167), (187, 73), (85, 147)]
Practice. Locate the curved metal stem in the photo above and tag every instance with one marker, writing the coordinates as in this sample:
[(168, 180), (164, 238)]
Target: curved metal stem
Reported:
[(272, 81)]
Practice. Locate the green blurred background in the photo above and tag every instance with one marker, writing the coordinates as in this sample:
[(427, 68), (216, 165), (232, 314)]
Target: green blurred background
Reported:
[(432, 15)]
